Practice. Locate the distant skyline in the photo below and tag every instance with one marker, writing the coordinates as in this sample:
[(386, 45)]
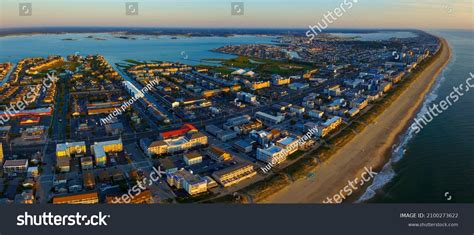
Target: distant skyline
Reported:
[(421, 14)]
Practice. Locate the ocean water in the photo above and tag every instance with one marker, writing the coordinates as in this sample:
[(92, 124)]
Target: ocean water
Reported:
[(434, 165), (437, 164), (377, 36), (189, 50)]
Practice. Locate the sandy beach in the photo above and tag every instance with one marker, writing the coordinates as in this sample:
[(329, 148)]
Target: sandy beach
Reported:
[(370, 148)]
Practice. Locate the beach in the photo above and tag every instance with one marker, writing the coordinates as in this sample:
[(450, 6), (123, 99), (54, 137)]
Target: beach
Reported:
[(371, 148)]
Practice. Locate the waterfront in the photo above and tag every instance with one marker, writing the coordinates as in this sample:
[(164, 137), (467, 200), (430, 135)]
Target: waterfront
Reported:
[(438, 160), (369, 148), (117, 52)]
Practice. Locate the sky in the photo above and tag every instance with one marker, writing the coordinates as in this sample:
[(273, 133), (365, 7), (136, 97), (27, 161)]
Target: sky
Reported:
[(420, 14)]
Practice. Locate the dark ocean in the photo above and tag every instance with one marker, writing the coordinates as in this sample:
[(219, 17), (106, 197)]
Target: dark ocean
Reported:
[(437, 164)]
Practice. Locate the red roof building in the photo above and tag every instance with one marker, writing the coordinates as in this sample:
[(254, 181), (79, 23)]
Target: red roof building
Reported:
[(179, 132)]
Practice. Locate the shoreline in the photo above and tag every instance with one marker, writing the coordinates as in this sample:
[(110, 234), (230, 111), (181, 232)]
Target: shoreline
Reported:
[(370, 148)]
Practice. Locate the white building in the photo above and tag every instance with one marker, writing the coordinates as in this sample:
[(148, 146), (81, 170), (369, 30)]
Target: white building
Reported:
[(269, 118), (272, 154)]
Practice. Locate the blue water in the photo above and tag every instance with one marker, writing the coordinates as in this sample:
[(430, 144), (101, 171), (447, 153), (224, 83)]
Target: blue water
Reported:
[(437, 164), (189, 50), (423, 168), (377, 36)]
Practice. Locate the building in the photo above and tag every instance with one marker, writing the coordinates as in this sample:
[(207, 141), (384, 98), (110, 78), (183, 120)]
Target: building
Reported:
[(333, 90), (87, 163), (279, 81), (329, 126), (28, 113), (15, 166), (100, 150), (88, 180), (298, 86), (289, 143), (74, 185), (234, 174), (259, 85), (26, 197), (1, 153), (168, 165), (386, 86), (33, 133), (177, 144), (211, 183), (4, 133), (114, 128), (186, 128), (144, 197), (315, 113), (246, 97), (269, 119), (67, 149), (79, 198), (63, 164), (183, 179), (226, 135), (213, 130), (262, 137), (32, 172), (297, 109), (237, 121), (246, 128), (192, 158), (273, 154), (218, 154), (244, 146)]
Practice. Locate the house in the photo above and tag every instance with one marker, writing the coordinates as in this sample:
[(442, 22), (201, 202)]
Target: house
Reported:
[(63, 164), (218, 154), (88, 180), (15, 166), (79, 198), (192, 158)]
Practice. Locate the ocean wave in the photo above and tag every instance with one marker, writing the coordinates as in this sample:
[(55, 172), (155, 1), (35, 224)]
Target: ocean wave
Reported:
[(388, 173)]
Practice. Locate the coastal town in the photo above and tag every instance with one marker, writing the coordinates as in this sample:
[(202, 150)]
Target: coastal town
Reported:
[(82, 130)]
